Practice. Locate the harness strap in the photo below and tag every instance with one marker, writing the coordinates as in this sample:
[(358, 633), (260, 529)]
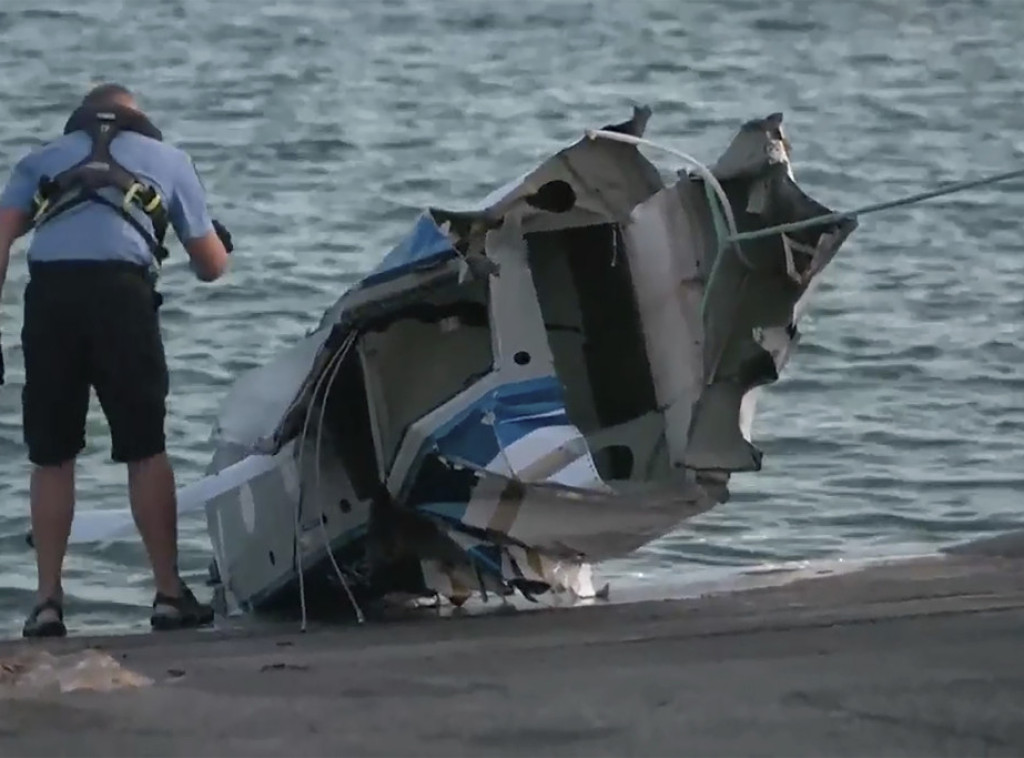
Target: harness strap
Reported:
[(82, 182)]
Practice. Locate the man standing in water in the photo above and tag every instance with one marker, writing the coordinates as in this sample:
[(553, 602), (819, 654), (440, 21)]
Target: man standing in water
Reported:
[(100, 199)]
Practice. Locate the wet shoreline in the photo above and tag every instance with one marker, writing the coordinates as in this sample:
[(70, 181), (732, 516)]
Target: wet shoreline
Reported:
[(906, 657)]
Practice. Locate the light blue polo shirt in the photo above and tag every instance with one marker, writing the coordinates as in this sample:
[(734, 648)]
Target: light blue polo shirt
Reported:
[(91, 231)]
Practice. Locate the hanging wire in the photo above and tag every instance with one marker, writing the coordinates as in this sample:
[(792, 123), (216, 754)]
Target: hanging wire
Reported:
[(339, 359), (297, 561)]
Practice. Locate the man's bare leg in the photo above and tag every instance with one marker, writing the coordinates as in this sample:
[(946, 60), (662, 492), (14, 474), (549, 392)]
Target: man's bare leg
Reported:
[(154, 504), (155, 508), (52, 497)]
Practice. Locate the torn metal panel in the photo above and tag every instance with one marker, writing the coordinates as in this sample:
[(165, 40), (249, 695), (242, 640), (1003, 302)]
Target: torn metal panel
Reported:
[(750, 305), (670, 241)]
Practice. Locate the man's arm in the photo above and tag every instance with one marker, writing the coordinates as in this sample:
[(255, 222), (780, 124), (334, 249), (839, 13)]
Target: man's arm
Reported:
[(192, 223), (13, 224), (15, 205)]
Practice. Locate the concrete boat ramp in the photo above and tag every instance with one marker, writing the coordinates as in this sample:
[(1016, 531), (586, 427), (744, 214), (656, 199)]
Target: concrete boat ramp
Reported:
[(917, 657)]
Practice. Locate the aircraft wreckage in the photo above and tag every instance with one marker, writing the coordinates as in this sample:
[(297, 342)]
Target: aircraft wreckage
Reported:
[(522, 388)]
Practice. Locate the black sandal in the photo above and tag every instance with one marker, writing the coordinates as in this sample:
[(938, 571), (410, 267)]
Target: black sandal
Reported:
[(181, 612), (45, 620)]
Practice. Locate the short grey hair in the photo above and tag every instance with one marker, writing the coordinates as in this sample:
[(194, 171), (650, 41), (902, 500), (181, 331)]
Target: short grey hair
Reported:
[(107, 94)]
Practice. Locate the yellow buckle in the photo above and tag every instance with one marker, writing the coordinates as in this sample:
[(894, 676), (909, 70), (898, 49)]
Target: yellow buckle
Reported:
[(153, 204), (40, 204), (133, 193), (130, 195)]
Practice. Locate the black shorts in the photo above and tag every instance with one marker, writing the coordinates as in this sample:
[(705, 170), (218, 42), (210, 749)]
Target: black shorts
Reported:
[(92, 325)]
